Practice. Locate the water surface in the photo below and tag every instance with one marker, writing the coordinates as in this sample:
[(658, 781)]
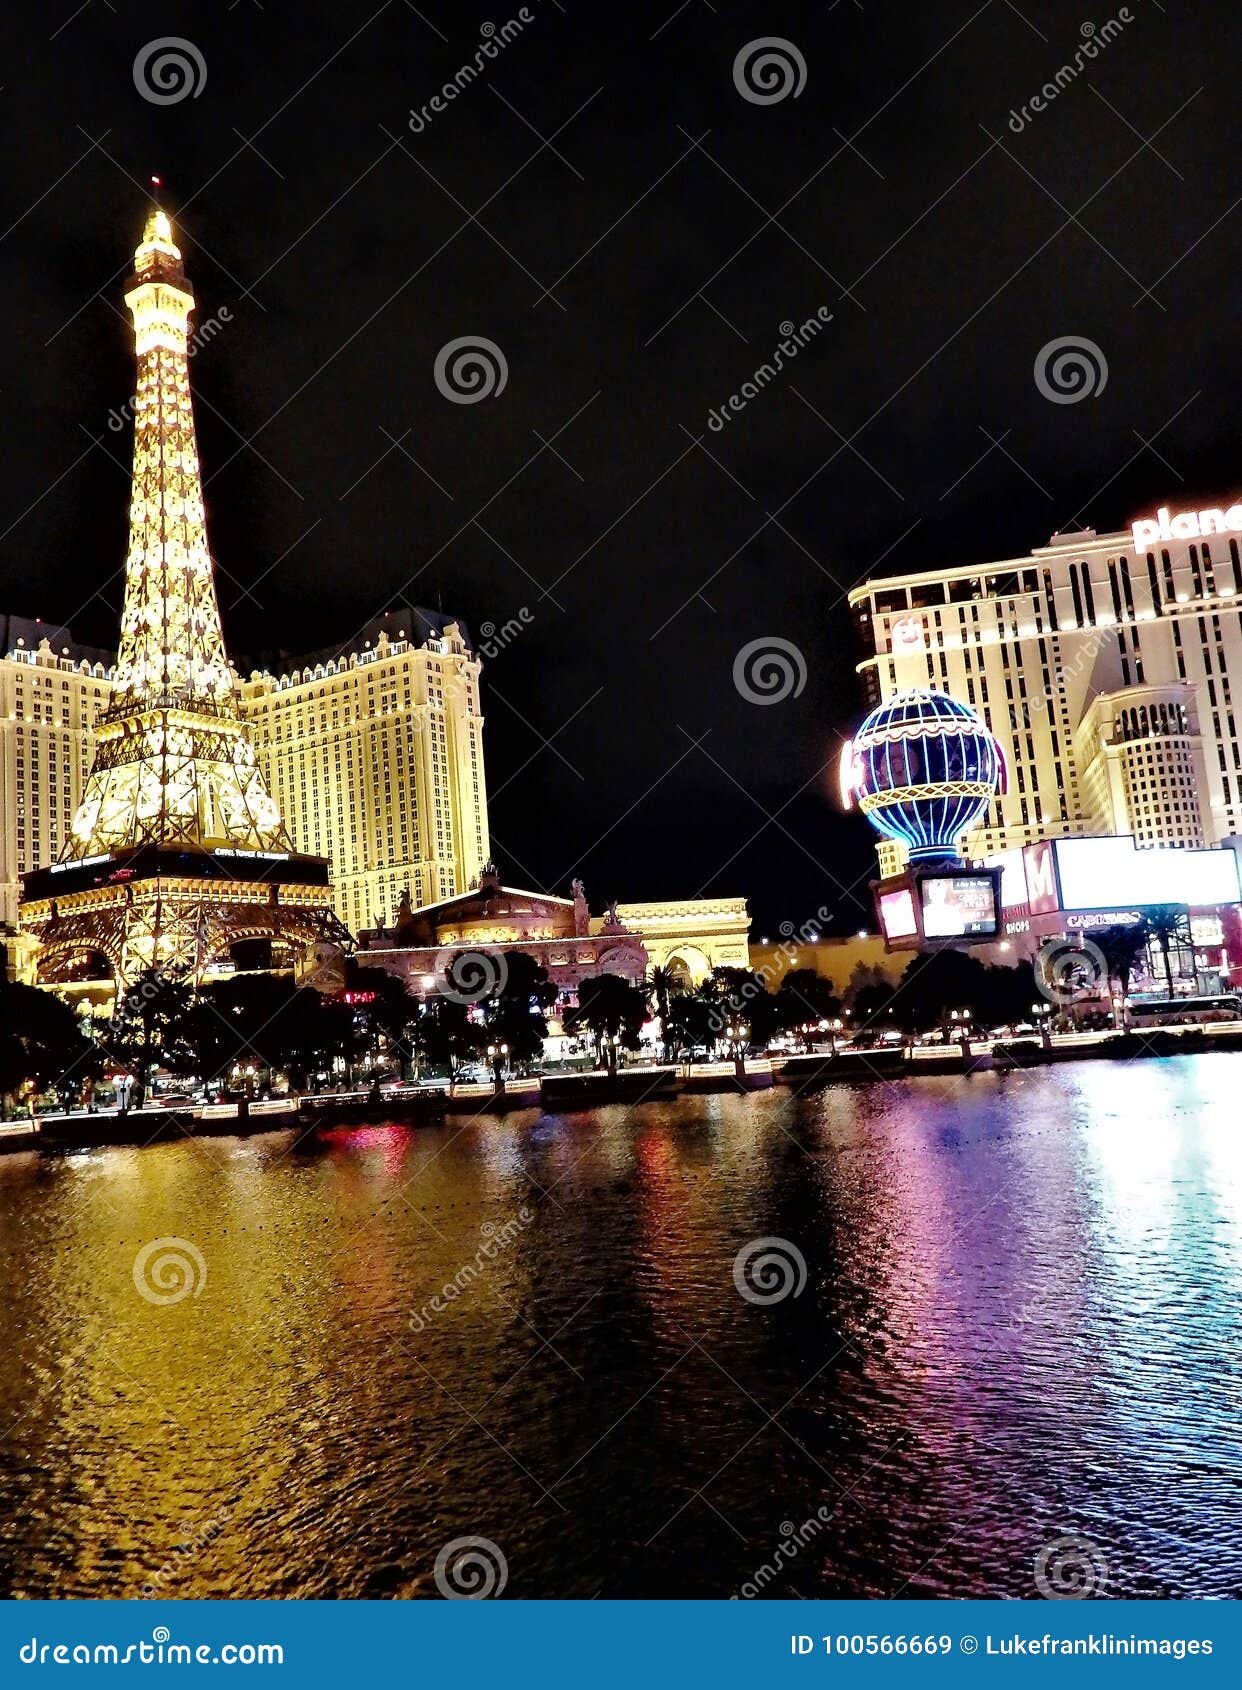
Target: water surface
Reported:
[(1020, 1322)]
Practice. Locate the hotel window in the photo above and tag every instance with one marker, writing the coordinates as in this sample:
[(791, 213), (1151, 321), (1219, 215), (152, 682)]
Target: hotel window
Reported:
[(1113, 588), (1076, 592), (1126, 588), (1195, 573), (1166, 566)]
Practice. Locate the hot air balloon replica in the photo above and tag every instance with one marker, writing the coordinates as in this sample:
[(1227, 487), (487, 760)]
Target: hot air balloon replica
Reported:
[(923, 768)]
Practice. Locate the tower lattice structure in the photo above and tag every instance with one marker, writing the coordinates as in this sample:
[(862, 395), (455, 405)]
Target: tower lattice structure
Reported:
[(175, 797)]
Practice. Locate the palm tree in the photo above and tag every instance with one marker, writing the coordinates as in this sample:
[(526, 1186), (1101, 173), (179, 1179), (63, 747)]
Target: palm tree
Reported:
[(612, 1011), (1166, 924), (661, 986), (1121, 946)]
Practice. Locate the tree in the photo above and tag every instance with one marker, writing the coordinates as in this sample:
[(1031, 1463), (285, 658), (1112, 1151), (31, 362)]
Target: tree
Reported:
[(141, 1033), (866, 974), (514, 1013), (1007, 994), (693, 1021), (804, 999), (611, 1009), (662, 986), (1122, 946), (448, 1037), (872, 1002), (382, 1010), (1167, 925), (739, 994), (265, 1021), (41, 1044), (310, 1032)]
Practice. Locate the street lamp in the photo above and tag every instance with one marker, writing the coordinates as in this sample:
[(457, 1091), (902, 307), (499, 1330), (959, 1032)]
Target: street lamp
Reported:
[(1042, 1013), (961, 1024), (243, 1081), (738, 1033), (497, 1055)]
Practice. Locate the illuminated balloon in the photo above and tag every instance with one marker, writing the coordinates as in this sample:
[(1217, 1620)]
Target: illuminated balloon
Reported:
[(923, 768)]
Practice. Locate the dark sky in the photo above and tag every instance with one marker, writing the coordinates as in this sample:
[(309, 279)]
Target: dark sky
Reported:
[(605, 206)]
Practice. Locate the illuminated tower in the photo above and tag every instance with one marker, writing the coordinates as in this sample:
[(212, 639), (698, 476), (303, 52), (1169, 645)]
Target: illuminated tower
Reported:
[(177, 850)]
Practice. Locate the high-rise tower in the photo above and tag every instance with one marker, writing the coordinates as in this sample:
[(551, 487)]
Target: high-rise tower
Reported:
[(177, 851)]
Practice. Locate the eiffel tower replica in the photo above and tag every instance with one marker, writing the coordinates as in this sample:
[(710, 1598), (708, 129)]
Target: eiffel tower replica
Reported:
[(177, 852)]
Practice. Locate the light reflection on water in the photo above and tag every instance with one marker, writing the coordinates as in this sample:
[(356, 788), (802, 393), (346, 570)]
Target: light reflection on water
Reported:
[(1020, 1323)]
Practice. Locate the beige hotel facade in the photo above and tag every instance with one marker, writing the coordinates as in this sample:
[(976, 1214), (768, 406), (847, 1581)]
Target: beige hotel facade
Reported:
[(373, 753), (1103, 663)]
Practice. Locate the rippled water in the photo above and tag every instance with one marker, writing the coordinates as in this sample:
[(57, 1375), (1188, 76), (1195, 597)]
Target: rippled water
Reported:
[(1020, 1321)]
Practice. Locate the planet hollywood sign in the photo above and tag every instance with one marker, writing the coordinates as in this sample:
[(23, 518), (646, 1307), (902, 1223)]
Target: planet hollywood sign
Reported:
[(1186, 525)]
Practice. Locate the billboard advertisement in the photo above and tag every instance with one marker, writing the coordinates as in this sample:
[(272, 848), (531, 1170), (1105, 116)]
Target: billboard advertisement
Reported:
[(1113, 873), (958, 905), (897, 918), (1041, 862), (1012, 865)]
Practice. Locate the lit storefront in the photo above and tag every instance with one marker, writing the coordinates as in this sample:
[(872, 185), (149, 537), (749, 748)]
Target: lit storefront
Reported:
[(1065, 887)]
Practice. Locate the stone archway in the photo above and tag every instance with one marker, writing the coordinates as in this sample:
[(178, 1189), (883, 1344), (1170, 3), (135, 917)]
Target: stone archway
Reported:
[(688, 965)]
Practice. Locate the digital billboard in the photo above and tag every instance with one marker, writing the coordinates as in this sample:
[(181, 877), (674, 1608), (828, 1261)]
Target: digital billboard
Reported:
[(1012, 865), (1041, 876), (958, 905), (1113, 872), (897, 914)]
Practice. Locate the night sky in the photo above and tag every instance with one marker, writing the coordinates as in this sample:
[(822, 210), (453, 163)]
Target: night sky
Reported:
[(605, 206)]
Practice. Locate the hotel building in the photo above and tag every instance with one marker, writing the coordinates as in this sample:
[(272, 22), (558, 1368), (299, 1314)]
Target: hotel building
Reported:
[(373, 753), (1101, 662), (51, 690)]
